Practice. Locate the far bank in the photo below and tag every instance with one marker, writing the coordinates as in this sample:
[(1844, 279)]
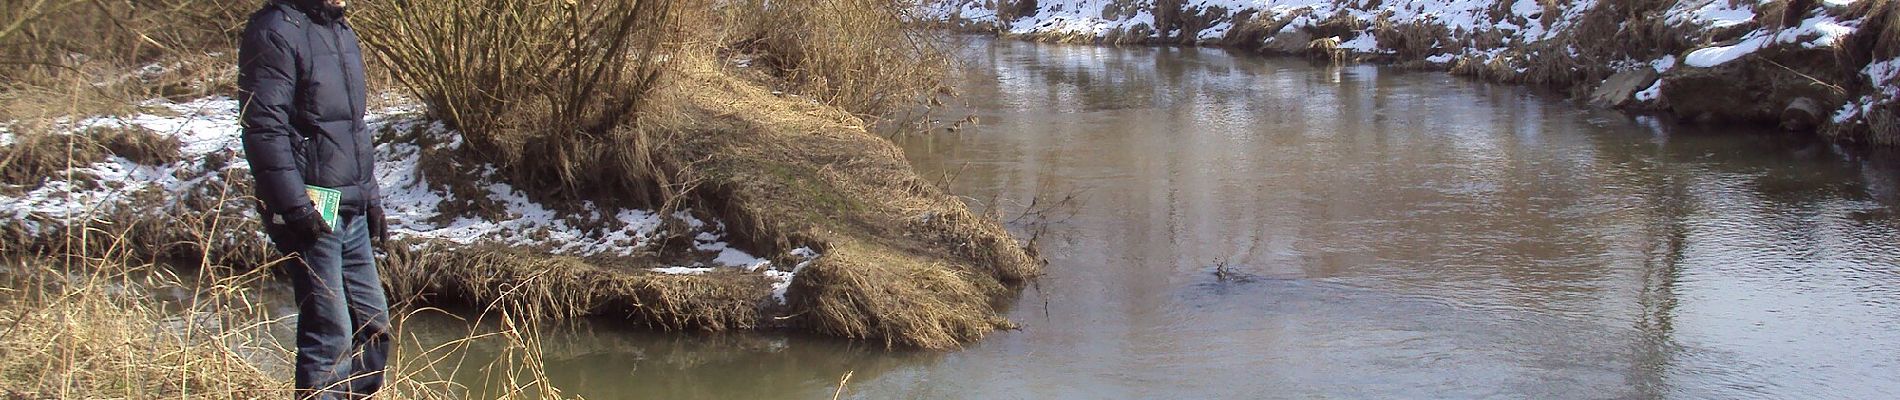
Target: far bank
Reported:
[(1813, 67)]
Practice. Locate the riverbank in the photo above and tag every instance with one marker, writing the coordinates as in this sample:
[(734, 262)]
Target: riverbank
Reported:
[(739, 190), (786, 188), (1826, 67), (798, 218)]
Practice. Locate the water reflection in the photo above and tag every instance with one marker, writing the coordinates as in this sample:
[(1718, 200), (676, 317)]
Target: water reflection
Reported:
[(1387, 235), (1594, 254), (606, 360)]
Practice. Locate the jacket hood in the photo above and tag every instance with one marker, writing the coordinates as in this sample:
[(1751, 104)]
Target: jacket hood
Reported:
[(318, 10)]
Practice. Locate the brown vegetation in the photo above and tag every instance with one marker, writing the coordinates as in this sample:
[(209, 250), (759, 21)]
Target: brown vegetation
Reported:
[(91, 328), (591, 102), (541, 87), (552, 288), (903, 262), (859, 55), (136, 144), (85, 318), (35, 157), (98, 57), (565, 104)]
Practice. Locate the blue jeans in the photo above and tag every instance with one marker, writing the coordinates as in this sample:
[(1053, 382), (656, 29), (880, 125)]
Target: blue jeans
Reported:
[(343, 316)]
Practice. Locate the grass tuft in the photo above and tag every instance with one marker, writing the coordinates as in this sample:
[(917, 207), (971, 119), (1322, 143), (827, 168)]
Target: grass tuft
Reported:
[(860, 55)]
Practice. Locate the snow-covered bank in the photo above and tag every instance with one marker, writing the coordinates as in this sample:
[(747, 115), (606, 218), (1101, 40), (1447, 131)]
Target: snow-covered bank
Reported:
[(804, 219), (209, 176), (1816, 65)]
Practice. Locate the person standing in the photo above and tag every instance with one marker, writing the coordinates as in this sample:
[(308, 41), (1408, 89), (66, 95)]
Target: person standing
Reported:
[(301, 100)]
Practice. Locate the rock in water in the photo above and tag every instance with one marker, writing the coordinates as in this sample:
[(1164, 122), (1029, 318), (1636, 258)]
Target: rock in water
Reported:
[(1622, 87), (1293, 42), (1801, 115)]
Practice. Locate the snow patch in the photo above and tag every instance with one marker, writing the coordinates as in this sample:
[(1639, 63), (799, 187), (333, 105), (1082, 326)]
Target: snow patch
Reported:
[(1664, 64), (683, 270), (1652, 93), (782, 280), (731, 257), (1824, 30), (1712, 13), (1882, 73), (1361, 44), (209, 127), (201, 127)]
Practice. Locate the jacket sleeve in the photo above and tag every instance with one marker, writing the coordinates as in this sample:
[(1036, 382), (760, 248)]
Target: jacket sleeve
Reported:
[(375, 188), (267, 85)]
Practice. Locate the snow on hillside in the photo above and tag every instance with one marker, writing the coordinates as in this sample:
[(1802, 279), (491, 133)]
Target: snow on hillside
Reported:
[(1523, 23), (208, 128)]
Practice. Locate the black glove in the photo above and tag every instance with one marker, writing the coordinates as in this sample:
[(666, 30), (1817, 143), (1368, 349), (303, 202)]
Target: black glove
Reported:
[(301, 228), (378, 226)]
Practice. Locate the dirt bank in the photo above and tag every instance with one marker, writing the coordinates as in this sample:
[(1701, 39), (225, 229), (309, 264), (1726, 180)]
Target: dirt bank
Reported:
[(1808, 66), (795, 217), (857, 244)]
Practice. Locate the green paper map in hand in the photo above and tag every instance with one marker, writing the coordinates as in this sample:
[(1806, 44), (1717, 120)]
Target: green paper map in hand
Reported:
[(327, 200)]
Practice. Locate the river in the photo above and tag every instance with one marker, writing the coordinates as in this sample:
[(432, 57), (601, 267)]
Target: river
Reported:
[(1248, 227)]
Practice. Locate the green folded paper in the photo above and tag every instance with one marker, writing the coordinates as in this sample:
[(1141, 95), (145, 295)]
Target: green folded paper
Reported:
[(327, 200)]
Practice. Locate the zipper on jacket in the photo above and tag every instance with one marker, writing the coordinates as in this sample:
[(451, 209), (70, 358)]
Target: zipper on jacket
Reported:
[(349, 92)]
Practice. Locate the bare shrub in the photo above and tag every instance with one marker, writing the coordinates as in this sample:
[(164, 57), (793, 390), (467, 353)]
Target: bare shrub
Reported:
[(544, 88), (139, 48)]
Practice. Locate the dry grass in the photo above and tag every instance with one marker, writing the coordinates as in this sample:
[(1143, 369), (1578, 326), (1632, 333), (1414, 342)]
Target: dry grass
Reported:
[(36, 156), (158, 297), (95, 328), (1878, 37), (859, 55), (1414, 39), (1627, 29), (89, 328), (903, 262), (1327, 47), (104, 55), (84, 317), (550, 288), (137, 144)]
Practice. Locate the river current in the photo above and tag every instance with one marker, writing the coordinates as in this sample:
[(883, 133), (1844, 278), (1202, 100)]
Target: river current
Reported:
[(1221, 225)]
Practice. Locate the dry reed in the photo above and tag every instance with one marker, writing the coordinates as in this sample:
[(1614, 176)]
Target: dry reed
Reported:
[(864, 56)]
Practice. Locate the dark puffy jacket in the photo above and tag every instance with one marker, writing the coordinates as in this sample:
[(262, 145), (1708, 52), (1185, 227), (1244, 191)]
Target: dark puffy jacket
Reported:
[(300, 89)]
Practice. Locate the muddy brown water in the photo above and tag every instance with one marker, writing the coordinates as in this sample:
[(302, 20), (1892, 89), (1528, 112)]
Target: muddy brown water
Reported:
[(1248, 227)]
